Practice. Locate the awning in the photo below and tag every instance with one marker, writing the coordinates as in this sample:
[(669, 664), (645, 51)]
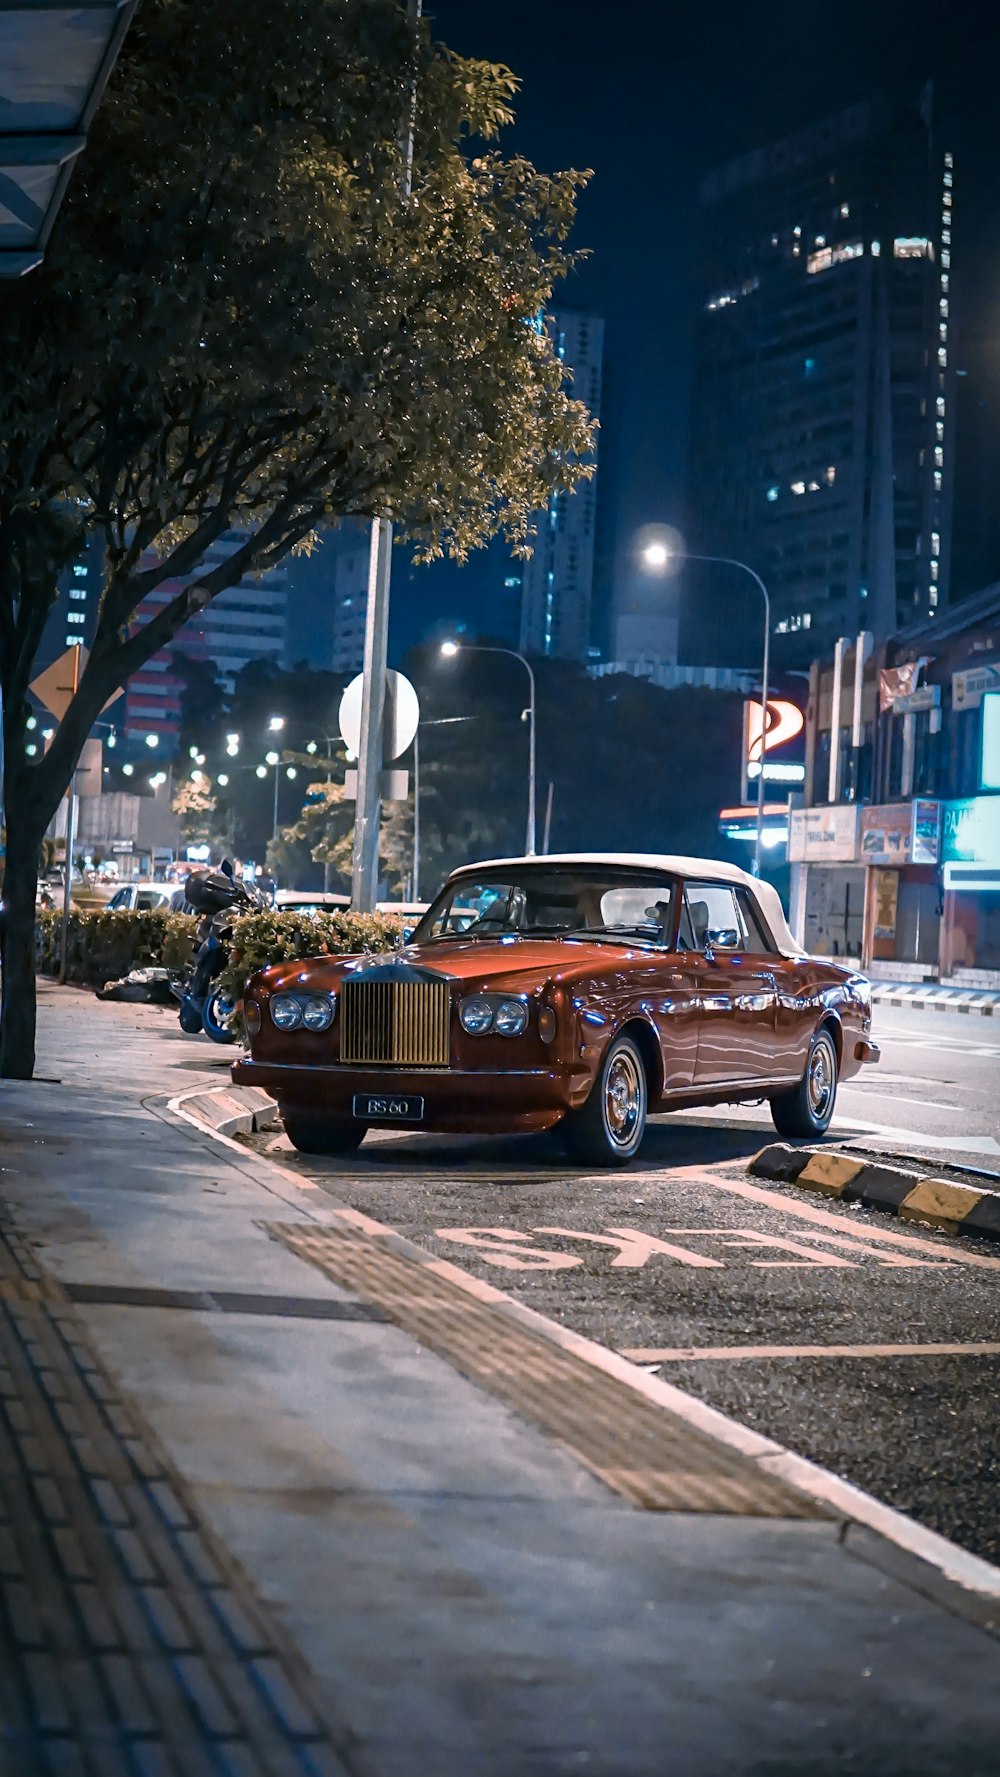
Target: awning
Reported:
[(54, 65)]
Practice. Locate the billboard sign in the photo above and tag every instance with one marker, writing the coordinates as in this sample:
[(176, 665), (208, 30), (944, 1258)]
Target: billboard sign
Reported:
[(971, 831), (969, 686), (901, 833), (782, 747), (824, 835)]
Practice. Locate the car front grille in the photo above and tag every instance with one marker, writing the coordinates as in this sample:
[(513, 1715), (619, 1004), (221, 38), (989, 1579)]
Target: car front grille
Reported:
[(395, 1023)]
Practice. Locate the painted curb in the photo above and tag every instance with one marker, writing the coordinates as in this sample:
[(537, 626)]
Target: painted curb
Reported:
[(976, 1581), (914, 1197), (232, 1110), (937, 1002)]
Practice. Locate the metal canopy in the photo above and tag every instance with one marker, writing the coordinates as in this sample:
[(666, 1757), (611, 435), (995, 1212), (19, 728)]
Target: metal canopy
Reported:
[(55, 60)]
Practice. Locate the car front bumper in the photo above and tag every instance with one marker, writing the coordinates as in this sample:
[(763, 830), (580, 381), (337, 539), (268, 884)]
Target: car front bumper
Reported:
[(455, 1101)]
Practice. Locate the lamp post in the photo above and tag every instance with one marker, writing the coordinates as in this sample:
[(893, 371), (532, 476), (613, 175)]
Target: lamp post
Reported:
[(449, 650), (657, 556)]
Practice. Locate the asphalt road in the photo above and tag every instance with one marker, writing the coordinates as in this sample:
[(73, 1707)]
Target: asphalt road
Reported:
[(786, 1311)]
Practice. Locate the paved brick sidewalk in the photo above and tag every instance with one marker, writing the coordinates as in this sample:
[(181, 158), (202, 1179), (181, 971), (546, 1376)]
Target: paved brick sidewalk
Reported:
[(129, 1640)]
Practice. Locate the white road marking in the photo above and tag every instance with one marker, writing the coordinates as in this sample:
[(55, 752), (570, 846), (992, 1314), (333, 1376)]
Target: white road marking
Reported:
[(669, 1354), (956, 1144), (930, 1104), (634, 1247), (822, 1218)]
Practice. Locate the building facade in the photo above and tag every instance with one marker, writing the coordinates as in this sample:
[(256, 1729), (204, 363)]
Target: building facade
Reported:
[(896, 851), (822, 401), (557, 582)]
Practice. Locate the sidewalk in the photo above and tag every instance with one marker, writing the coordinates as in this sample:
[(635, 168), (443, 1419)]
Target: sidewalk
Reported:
[(277, 1497)]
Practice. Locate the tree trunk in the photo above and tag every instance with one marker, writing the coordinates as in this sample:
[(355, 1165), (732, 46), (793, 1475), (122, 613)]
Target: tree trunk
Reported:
[(17, 944)]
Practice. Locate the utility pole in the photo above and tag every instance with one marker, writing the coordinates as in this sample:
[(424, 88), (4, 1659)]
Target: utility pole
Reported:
[(368, 806)]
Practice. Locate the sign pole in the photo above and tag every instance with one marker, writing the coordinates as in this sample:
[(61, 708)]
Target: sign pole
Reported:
[(70, 825)]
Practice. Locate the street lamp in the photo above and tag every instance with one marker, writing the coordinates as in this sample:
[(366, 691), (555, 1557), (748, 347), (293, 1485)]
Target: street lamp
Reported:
[(657, 556), (449, 650), (276, 724), (275, 760)]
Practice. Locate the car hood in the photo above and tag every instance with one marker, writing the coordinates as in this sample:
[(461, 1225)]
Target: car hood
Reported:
[(514, 965)]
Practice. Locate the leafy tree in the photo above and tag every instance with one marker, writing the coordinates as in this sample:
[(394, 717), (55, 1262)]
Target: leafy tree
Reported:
[(243, 323), (324, 834)]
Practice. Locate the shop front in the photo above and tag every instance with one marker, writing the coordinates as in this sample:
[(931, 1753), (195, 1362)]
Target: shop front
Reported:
[(900, 849), (828, 880), (970, 851)]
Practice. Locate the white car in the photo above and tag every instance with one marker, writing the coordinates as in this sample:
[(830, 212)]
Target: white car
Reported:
[(141, 897)]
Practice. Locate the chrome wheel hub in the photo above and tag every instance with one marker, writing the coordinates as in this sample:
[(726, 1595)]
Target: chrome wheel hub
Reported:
[(820, 1079), (622, 1099)]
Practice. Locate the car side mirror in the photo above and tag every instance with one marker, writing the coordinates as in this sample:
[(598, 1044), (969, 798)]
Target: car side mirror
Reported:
[(721, 938)]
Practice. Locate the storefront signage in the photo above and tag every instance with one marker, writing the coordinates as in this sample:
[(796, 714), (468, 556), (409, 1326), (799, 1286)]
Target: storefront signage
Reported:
[(901, 833), (909, 703), (989, 756), (783, 746), (824, 835), (971, 831), (969, 685)]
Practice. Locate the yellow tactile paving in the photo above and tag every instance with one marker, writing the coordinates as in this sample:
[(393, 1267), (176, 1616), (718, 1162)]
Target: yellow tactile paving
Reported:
[(644, 1452)]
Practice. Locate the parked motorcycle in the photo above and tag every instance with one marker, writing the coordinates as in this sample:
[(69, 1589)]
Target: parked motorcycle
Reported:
[(220, 899)]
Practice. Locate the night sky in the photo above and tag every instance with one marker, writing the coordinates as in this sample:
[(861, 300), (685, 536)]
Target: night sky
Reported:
[(652, 96)]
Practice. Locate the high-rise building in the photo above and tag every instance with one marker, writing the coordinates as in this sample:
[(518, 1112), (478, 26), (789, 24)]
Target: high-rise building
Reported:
[(557, 582), (822, 400)]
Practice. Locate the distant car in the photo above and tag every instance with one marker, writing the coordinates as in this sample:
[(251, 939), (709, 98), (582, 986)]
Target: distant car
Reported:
[(583, 991), (310, 901), (141, 897)]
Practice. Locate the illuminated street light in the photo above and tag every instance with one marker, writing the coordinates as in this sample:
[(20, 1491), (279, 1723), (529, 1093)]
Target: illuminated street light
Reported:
[(272, 758), (158, 778), (290, 771), (152, 740), (448, 650), (222, 779), (197, 777), (127, 770), (276, 724), (262, 771), (667, 550), (31, 722), (199, 758), (311, 747), (192, 752)]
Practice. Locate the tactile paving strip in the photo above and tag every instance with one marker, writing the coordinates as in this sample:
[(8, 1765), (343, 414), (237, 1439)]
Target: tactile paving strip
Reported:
[(130, 1642), (644, 1452)]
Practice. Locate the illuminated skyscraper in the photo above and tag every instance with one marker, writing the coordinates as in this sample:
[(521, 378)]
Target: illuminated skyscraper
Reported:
[(822, 410), (557, 582)]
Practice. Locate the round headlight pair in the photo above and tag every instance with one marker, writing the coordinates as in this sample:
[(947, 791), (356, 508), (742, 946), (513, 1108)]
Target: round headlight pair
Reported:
[(308, 1011), (507, 1018)]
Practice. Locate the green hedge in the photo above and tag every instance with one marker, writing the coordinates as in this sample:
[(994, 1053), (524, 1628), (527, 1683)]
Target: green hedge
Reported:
[(262, 938), (103, 945)]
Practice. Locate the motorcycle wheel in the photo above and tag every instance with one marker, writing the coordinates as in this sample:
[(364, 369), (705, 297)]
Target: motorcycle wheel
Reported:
[(190, 1017), (218, 1011)]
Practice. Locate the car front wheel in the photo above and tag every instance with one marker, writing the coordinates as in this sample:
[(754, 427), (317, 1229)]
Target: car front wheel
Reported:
[(320, 1135), (806, 1110), (608, 1128)]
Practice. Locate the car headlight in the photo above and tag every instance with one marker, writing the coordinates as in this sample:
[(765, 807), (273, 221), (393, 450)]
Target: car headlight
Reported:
[(475, 1016), (286, 1012), (510, 1018), (317, 1014)]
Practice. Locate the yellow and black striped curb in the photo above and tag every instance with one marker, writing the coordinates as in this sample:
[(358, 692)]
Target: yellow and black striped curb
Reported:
[(954, 1208)]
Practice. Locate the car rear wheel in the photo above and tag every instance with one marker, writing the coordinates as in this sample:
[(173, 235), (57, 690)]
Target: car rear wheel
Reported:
[(322, 1135), (608, 1129), (806, 1111)]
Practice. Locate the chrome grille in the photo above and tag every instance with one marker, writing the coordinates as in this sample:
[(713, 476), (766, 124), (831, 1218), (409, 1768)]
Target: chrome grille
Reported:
[(395, 1023)]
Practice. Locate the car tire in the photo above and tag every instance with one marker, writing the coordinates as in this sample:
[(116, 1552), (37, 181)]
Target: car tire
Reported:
[(321, 1135), (608, 1129), (218, 1011), (806, 1110)]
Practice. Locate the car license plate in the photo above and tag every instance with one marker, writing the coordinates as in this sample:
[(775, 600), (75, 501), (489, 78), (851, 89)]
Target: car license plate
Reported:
[(387, 1108)]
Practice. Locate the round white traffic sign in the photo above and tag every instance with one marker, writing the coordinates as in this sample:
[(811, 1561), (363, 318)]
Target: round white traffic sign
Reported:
[(402, 713)]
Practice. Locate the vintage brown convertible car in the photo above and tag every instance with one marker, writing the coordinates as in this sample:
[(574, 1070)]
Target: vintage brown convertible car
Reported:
[(585, 991)]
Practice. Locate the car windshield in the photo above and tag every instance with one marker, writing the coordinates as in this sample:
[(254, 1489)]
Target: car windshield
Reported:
[(539, 900)]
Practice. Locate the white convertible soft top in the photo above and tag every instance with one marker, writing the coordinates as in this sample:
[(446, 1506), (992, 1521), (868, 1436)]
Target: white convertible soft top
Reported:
[(701, 869)]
